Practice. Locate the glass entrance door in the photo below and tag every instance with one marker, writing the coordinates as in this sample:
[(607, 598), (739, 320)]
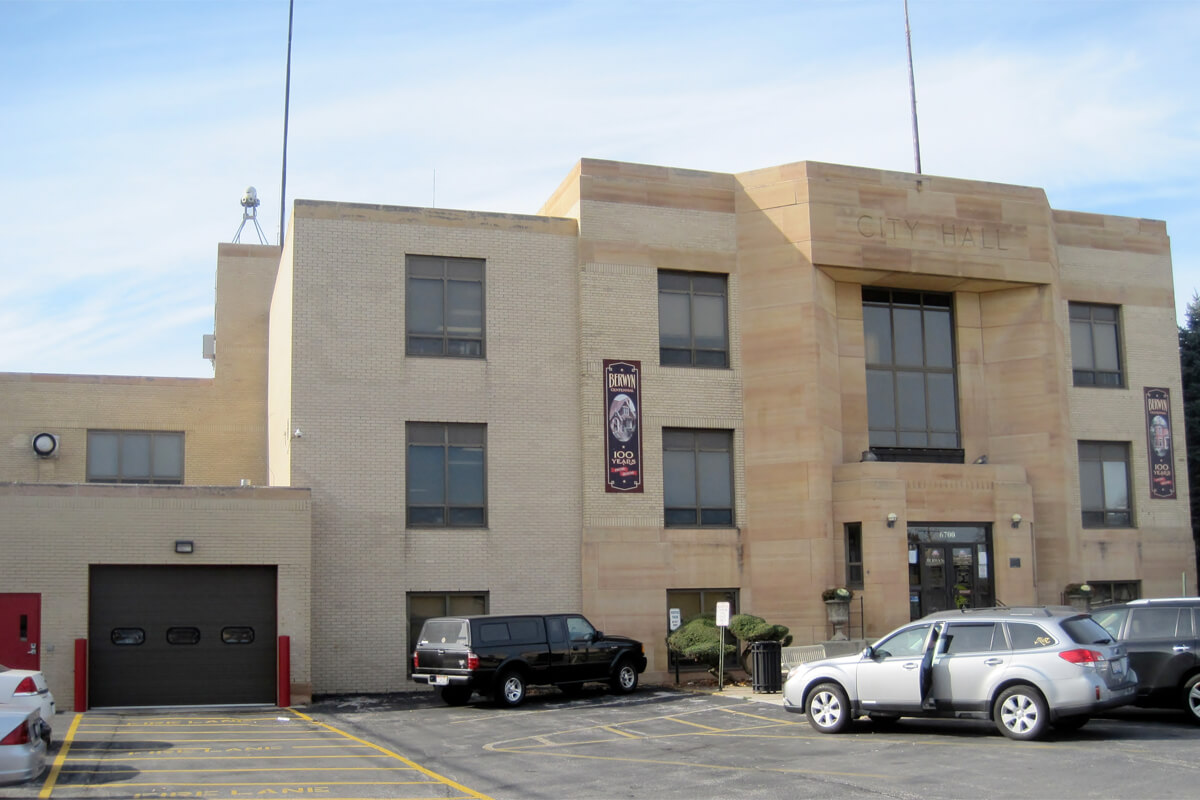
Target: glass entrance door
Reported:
[(949, 566)]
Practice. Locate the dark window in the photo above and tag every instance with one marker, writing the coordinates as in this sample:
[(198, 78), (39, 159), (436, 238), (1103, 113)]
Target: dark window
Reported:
[(427, 605), (134, 457), (1086, 630), (526, 631), (912, 397), (1105, 592), (1026, 635), (237, 635), (1104, 484), (183, 635), (973, 638), (444, 306), (447, 475), (692, 602), (693, 329), (128, 636), (1154, 623), (493, 632), (1096, 345), (854, 555), (697, 478)]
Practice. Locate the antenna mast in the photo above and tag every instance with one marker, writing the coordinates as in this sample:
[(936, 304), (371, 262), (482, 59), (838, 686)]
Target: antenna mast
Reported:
[(912, 91), (287, 96)]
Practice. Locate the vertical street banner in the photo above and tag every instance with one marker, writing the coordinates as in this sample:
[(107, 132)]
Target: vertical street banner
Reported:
[(1158, 440), (622, 415)]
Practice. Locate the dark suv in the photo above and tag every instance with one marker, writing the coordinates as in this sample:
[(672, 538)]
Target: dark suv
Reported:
[(499, 656), (1164, 649)]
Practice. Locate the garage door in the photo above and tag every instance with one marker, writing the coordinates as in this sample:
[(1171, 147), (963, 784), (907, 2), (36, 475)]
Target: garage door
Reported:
[(174, 635)]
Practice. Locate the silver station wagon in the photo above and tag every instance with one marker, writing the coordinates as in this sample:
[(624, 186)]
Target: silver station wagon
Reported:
[(1026, 669)]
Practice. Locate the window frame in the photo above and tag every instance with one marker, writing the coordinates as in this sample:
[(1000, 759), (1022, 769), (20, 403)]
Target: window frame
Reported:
[(122, 455), (1109, 517), (894, 440), (707, 600), (1088, 376), (695, 353), (453, 269), (471, 435), (698, 437), (855, 574), (416, 623)]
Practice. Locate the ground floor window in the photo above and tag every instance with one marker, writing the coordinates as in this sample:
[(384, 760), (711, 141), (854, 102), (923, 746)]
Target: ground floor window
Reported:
[(691, 602), (854, 555), (425, 605)]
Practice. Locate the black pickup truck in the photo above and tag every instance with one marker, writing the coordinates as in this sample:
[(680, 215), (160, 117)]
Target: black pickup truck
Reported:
[(500, 655)]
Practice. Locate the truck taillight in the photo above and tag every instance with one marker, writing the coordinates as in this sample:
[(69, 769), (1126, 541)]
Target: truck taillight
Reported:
[(472, 660), (18, 735), (25, 688), (415, 664)]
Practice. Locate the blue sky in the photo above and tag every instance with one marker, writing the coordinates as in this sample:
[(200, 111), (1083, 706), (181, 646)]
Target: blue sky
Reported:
[(128, 130)]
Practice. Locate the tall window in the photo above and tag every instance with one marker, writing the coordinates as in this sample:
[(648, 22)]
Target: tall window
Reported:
[(447, 475), (1104, 484), (697, 478), (854, 555), (444, 306), (426, 605), (134, 457), (911, 382), (1096, 345), (692, 327), (691, 602)]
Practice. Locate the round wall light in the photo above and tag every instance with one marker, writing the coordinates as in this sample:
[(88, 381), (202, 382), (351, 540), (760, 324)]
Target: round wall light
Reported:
[(45, 445)]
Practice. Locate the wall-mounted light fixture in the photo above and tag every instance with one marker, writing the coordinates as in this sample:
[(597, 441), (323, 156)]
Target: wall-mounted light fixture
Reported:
[(297, 434), (45, 445), (1016, 520), (891, 519), (184, 546), (868, 455), (981, 460)]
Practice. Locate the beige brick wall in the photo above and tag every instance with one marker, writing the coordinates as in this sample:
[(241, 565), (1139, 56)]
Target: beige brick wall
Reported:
[(352, 390), (53, 532)]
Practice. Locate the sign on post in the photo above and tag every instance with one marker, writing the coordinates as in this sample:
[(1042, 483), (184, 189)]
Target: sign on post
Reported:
[(722, 623), (722, 615)]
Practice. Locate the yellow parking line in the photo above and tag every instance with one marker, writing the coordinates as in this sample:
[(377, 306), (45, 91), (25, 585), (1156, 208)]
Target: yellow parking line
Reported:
[(63, 749), (619, 732), (693, 724), (398, 757)]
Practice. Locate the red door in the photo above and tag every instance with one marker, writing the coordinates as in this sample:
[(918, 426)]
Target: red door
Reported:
[(20, 630)]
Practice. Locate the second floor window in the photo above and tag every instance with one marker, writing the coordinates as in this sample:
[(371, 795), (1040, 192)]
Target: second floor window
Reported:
[(447, 475), (692, 327), (912, 397), (134, 457), (1096, 345), (1104, 484), (444, 306), (697, 478)]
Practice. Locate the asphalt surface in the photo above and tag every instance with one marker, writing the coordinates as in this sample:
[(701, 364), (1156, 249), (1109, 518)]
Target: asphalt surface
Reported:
[(658, 743)]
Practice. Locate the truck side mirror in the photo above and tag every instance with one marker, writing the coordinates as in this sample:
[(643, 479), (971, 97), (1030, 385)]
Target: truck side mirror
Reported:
[(597, 636)]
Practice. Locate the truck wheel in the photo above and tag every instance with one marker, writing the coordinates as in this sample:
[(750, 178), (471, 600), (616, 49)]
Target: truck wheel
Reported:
[(624, 678), (511, 689), (1021, 713), (1191, 698), (456, 695)]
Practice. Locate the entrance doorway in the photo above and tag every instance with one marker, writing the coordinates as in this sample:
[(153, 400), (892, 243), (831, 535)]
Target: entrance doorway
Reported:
[(20, 630), (949, 566)]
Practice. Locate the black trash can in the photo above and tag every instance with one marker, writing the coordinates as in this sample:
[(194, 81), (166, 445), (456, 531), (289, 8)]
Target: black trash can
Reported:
[(766, 662)]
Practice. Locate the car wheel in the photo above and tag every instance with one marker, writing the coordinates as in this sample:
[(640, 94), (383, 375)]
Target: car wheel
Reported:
[(1191, 698), (1069, 723), (624, 678), (456, 695), (511, 692), (827, 708), (1021, 713)]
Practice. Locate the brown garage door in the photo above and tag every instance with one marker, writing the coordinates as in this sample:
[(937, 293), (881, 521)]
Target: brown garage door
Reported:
[(176, 635)]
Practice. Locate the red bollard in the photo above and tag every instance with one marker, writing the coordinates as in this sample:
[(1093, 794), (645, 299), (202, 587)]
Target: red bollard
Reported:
[(81, 682), (284, 678)]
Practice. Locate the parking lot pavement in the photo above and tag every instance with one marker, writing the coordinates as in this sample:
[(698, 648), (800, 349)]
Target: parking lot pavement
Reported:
[(226, 754)]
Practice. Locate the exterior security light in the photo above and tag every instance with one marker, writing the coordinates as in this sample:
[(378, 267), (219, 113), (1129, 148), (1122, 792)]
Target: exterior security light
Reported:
[(184, 546), (1016, 520), (891, 519)]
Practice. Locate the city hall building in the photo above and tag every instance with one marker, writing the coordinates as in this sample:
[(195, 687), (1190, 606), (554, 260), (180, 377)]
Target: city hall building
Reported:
[(667, 389)]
